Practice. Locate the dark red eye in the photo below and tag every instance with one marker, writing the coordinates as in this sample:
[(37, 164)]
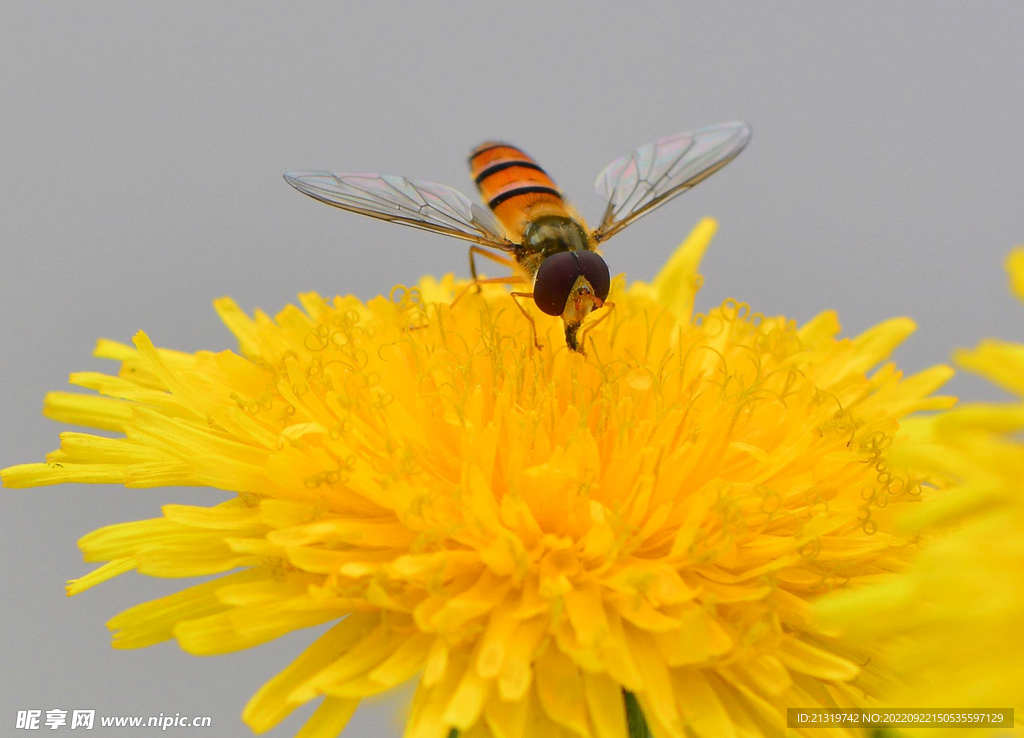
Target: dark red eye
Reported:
[(592, 267), (555, 278)]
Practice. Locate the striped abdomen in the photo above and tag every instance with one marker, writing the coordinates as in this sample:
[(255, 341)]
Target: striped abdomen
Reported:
[(513, 185)]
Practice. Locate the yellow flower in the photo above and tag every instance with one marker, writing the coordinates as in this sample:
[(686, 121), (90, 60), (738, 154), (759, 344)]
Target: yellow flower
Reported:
[(530, 533), (955, 618)]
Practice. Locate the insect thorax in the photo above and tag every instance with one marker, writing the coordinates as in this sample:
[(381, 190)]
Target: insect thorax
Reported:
[(551, 234)]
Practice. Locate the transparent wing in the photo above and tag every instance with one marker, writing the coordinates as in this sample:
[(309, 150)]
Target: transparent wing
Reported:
[(411, 202), (640, 181)]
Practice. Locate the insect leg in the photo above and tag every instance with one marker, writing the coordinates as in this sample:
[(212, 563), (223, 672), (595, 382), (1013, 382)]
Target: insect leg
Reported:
[(513, 279), (533, 323), (590, 327), (473, 250)]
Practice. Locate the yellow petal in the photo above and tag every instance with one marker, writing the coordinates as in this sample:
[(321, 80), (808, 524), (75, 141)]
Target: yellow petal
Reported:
[(494, 644), (801, 656), (329, 718), (98, 412), (357, 660), (270, 705), (509, 719), (817, 331), (702, 711), (1000, 362), (234, 517), (586, 612), (677, 283), (517, 673), (766, 673), (100, 574), (238, 323), (467, 703), (560, 690), (605, 705), (639, 612), (404, 662), (656, 698), (152, 622), (247, 627), (877, 343), (1015, 267), (698, 639), (40, 475), (426, 721)]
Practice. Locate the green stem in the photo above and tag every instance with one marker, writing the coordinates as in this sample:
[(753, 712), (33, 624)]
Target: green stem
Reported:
[(635, 717)]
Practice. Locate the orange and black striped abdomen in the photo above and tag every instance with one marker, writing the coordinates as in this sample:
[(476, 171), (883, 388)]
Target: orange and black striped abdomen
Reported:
[(513, 185)]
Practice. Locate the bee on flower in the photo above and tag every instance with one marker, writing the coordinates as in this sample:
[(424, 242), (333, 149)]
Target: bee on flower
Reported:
[(529, 227)]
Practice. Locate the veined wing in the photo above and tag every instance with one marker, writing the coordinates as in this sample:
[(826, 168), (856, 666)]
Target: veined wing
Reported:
[(640, 181), (412, 202)]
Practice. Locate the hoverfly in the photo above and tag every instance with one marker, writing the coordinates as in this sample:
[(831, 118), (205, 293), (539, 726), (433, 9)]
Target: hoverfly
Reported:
[(529, 226)]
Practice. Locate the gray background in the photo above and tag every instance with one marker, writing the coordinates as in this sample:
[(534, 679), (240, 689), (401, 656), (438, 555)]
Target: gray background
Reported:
[(142, 148)]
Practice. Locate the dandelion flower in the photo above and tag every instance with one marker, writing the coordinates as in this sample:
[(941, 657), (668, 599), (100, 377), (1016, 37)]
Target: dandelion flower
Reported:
[(529, 533), (956, 614)]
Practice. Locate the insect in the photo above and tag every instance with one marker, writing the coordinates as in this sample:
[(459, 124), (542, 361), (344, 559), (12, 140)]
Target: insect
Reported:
[(528, 225)]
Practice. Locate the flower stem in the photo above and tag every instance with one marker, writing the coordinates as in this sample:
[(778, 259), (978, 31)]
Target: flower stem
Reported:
[(635, 717)]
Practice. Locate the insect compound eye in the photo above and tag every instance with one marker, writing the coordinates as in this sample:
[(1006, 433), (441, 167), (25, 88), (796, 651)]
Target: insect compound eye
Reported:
[(593, 267), (555, 278)]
